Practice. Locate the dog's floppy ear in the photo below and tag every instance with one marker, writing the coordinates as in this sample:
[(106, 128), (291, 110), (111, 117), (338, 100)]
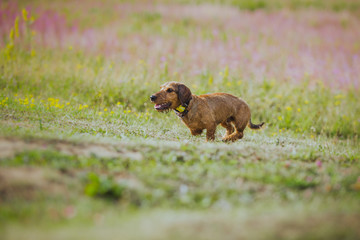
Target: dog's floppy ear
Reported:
[(184, 94)]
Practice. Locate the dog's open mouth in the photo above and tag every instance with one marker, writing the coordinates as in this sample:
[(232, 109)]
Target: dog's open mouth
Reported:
[(163, 106)]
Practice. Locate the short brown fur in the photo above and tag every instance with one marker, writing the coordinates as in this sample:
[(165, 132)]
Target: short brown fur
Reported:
[(207, 111)]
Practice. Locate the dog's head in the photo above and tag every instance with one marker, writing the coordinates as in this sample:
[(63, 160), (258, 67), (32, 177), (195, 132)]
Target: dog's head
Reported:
[(171, 96)]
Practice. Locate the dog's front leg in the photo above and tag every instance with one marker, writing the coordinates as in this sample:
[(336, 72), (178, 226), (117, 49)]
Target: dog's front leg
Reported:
[(210, 133)]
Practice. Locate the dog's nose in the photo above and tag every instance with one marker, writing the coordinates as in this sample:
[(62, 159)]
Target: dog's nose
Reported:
[(152, 98)]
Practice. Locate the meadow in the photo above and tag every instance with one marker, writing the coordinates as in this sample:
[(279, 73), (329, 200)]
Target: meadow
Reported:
[(83, 153)]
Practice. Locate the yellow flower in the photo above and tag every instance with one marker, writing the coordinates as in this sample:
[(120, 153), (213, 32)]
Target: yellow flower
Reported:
[(299, 109), (280, 118), (85, 106), (11, 35), (129, 111), (105, 109), (100, 113), (33, 53), (306, 102), (70, 47), (339, 96), (211, 79), (24, 14), (112, 112), (288, 108), (118, 103), (16, 26), (226, 72), (67, 103), (337, 103)]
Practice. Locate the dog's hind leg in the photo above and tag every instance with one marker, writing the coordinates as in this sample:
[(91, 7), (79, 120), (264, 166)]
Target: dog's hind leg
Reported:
[(229, 128), (240, 125)]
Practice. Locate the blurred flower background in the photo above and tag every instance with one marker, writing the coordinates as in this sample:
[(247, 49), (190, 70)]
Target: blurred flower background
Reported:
[(289, 46)]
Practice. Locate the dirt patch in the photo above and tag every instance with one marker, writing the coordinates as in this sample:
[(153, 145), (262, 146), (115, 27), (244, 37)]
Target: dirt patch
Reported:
[(27, 183), (30, 183), (9, 147)]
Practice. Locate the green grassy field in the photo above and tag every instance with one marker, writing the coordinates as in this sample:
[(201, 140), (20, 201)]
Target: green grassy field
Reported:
[(84, 155)]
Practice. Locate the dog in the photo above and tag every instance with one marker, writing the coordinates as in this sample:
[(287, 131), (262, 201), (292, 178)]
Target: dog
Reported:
[(205, 111)]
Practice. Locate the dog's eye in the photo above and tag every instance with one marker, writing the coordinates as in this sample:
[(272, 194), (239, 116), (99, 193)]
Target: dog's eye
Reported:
[(170, 90)]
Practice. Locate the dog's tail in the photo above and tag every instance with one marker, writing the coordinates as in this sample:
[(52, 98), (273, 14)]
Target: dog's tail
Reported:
[(255, 126)]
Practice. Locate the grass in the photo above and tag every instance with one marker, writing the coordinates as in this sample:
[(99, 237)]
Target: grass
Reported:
[(84, 154), (87, 93)]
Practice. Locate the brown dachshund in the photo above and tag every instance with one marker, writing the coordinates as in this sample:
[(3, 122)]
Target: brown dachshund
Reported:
[(205, 111)]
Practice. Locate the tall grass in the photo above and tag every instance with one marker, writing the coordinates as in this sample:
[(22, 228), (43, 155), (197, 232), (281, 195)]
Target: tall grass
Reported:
[(298, 72)]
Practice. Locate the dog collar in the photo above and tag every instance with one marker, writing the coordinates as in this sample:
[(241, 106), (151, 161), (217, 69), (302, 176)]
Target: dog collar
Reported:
[(181, 111), (180, 108)]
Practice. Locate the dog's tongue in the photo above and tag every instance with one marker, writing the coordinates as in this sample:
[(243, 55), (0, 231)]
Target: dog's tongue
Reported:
[(162, 106)]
